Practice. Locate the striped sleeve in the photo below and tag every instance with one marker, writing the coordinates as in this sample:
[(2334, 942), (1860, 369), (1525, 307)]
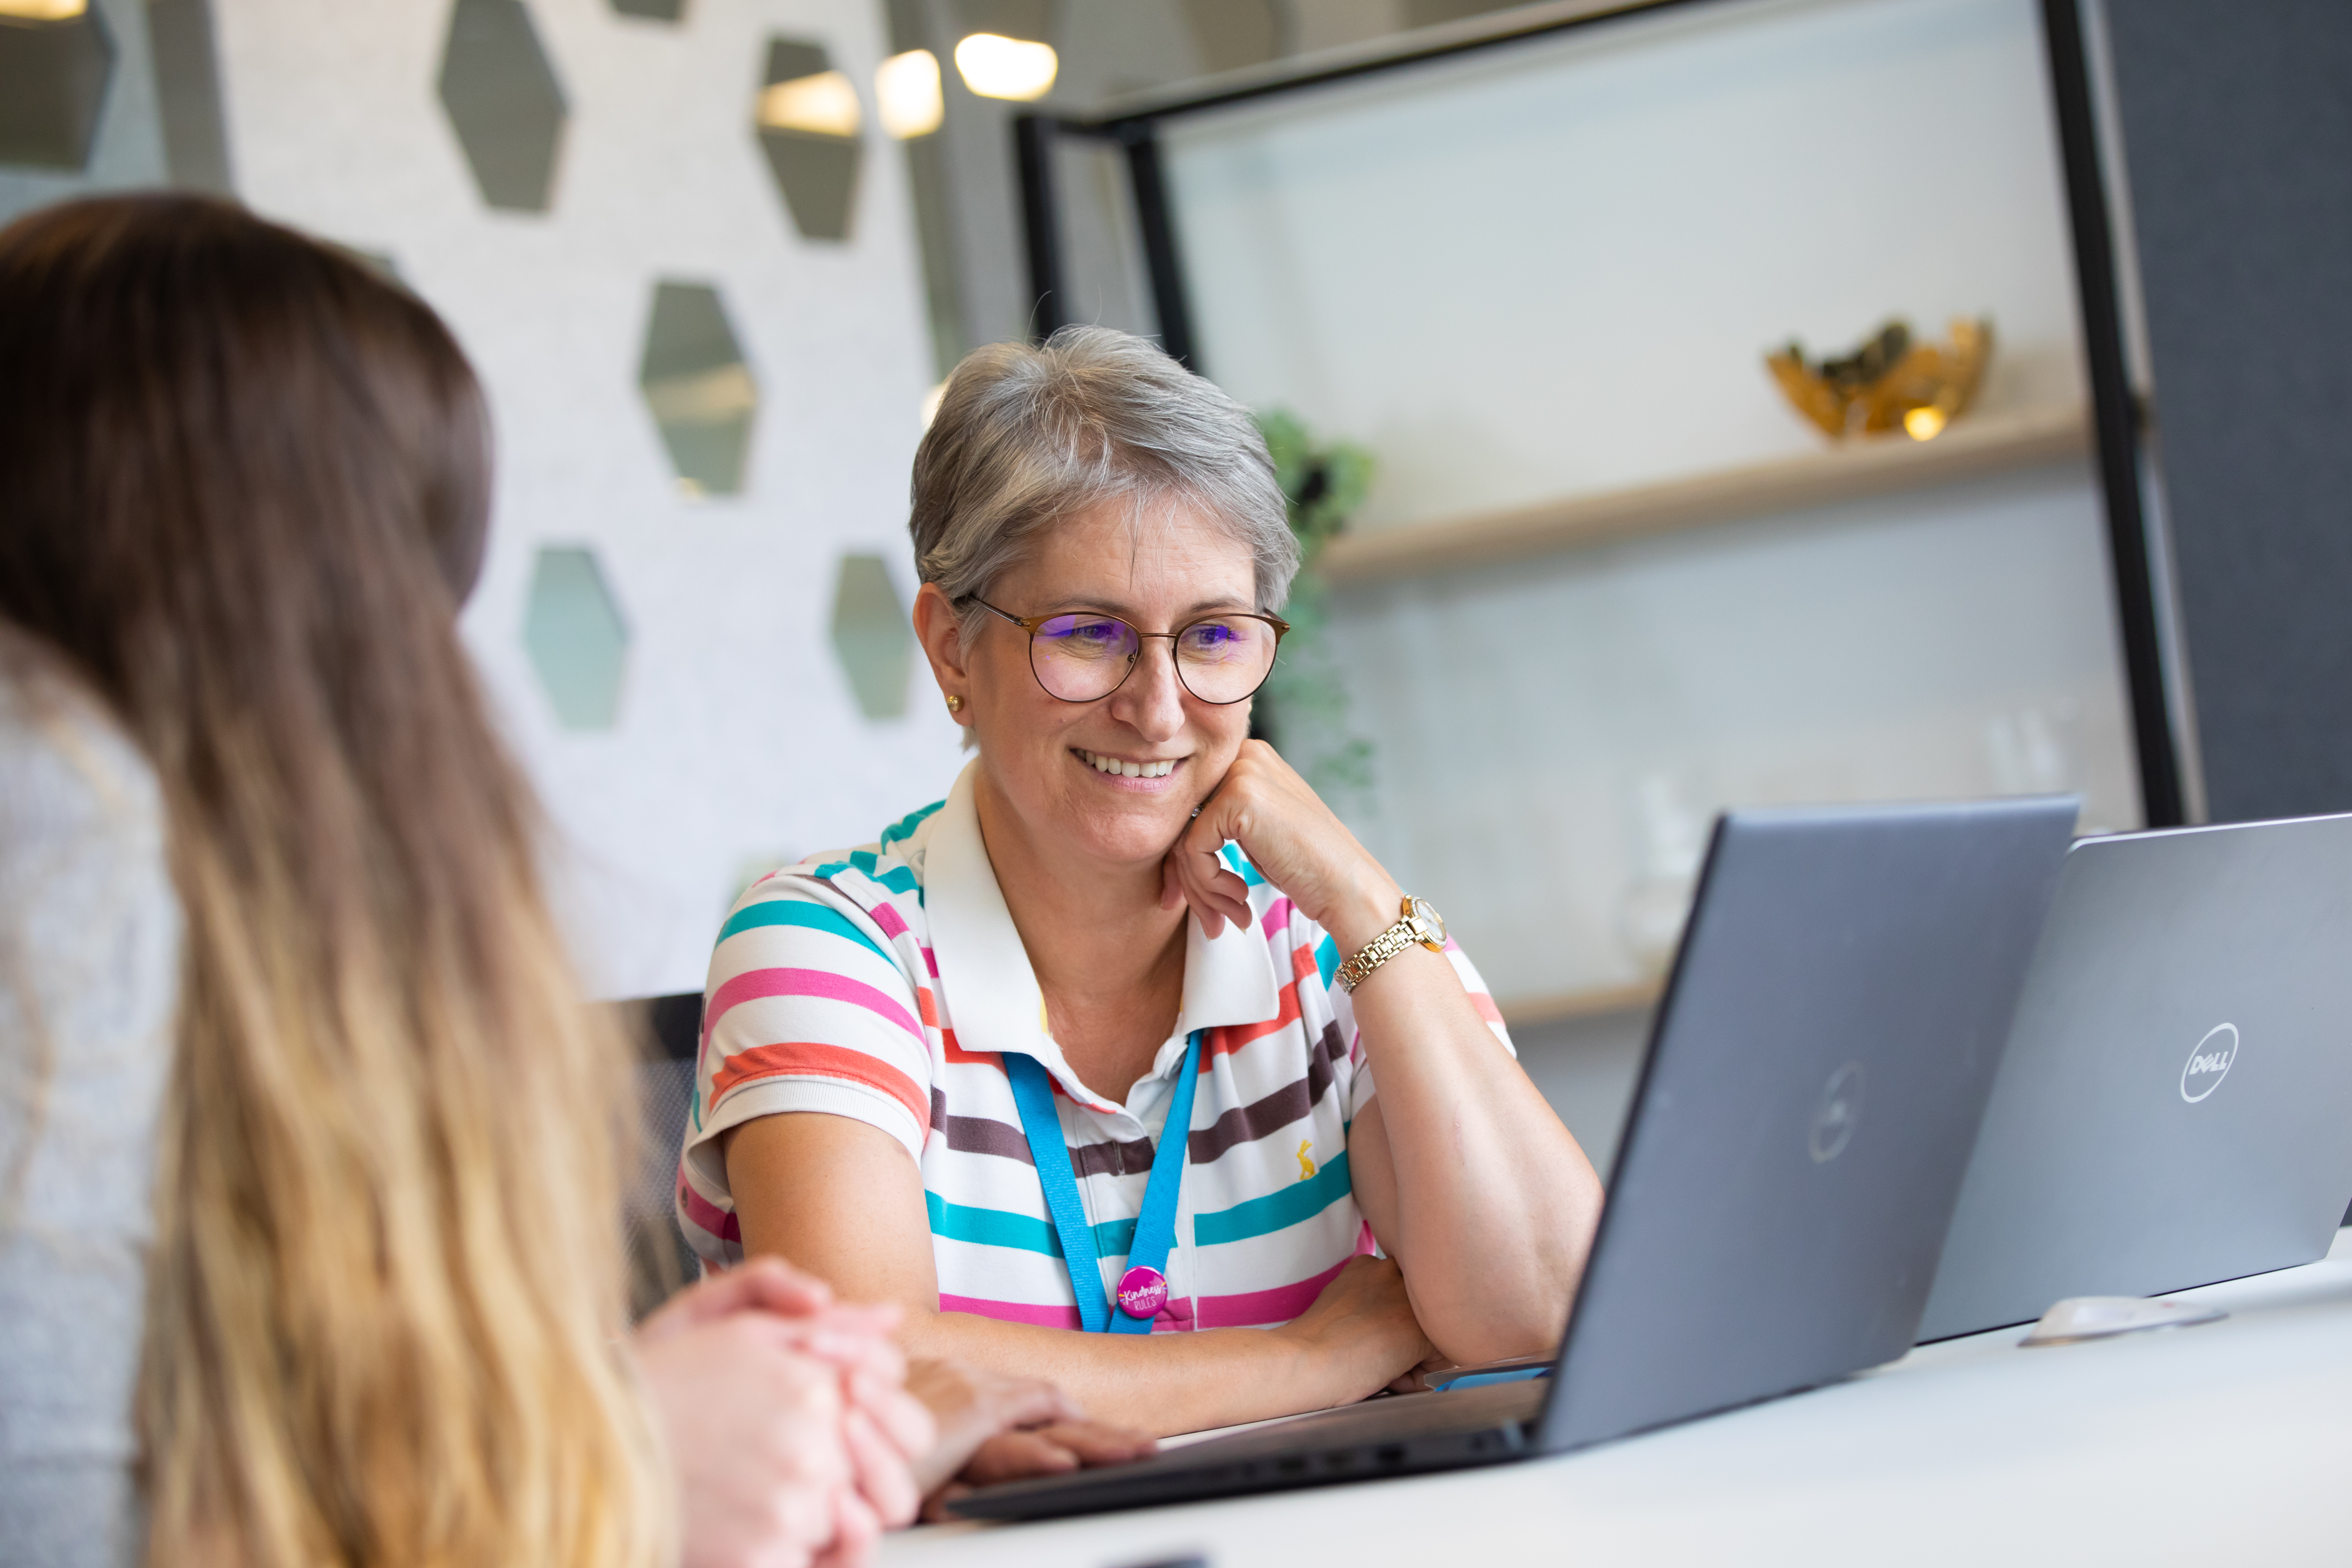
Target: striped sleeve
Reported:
[(808, 1007)]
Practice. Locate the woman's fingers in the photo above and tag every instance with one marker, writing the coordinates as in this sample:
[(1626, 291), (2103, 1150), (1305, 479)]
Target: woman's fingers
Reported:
[(1095, 1443), (878, 1470), (767, 1284), (898, 1415), (1010, 1455), (971, 1404), (1199, 876), (855, 1534)]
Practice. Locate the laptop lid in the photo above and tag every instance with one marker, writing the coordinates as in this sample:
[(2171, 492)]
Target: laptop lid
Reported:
[(2175, 1106), (1814, 1084)]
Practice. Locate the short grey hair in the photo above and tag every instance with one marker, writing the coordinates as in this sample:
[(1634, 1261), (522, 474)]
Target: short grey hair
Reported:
[(1025, 437)]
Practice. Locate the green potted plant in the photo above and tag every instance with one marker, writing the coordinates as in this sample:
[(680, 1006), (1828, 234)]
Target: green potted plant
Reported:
[(1303, 710)]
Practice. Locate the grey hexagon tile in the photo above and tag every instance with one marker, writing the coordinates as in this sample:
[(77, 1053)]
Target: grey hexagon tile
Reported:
[(701, 392), (502, 95), (576, 639), (808, 120), (53, 82), (651, 10), (871, 635)]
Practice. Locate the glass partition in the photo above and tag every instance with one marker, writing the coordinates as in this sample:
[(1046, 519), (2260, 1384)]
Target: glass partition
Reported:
[(1607, 580)]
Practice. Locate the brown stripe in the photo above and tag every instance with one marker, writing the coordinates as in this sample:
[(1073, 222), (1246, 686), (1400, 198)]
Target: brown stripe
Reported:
[(1263, 1117), (979, 1135)]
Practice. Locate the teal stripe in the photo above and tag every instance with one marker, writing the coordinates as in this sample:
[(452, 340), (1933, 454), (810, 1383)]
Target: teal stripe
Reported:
[(1326, 959), (999, 1227), (1275, 1211), (811, 917), (907, 824), (898, 878), (1239, 863)]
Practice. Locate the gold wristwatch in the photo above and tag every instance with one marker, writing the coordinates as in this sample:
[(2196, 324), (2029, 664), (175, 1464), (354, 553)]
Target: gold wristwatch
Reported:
[(1416, 923)]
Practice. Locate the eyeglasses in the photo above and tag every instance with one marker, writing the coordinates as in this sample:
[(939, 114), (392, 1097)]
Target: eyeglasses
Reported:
[(1084, 656)]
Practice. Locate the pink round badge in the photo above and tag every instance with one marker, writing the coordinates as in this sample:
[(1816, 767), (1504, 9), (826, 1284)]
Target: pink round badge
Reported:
[(1142, 1292)]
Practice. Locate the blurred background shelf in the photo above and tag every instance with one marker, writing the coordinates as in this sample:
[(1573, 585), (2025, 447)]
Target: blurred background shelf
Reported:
[(1592, 1002), (1973, 447)]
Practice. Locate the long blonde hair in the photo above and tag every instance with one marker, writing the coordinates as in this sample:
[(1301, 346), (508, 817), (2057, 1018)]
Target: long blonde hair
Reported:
[(243, 488)]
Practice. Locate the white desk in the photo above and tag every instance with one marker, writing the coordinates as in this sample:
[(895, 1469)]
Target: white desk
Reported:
[(2225, 1443)]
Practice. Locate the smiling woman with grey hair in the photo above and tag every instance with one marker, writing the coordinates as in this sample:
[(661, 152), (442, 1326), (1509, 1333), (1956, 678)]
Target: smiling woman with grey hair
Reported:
[(1077, 1065)]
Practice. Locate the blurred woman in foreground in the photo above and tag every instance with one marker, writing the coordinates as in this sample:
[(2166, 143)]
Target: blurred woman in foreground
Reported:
[(244, 487)]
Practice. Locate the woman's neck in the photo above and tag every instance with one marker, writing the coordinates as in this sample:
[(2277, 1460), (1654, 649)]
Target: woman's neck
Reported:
[(1108, 959)]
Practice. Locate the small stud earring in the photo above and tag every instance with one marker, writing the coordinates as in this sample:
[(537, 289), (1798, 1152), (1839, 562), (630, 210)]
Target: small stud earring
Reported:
[(955, 703)]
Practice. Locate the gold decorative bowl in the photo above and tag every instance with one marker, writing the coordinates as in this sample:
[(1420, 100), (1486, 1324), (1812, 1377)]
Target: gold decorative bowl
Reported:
[(1890, 383)]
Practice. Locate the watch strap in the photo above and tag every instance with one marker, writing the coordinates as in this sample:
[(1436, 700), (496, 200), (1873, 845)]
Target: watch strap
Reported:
[(1404, 933)]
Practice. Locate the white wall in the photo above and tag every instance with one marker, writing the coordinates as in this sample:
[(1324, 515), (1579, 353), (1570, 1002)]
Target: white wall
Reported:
[(738, 741)]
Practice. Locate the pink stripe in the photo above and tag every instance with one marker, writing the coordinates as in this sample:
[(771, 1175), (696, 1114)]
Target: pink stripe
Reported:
[(1252, 1308), (885, 917), (1012, 1311), (754, 983), (709, 1216), (931, 962), (1277, 918)]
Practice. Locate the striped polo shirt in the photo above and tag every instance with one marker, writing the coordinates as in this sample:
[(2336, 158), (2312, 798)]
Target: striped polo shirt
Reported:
[(885, 984)]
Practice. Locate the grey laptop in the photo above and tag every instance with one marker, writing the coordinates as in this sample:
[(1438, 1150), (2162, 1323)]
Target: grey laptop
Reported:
[(1811, 1090), (2175, 1106)]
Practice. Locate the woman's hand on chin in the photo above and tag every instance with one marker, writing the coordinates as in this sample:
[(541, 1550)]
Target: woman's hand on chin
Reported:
[(1361, 1329), (1294, 841)]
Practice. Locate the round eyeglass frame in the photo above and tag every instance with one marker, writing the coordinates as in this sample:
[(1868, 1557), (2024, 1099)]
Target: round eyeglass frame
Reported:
[(1029, 624)]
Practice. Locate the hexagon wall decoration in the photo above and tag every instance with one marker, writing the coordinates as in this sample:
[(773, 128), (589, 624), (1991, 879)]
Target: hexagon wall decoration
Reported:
[(808, 121), (651, 10), (576, 636), (700, 392), (53, 80), (500, 93), (871, 635)]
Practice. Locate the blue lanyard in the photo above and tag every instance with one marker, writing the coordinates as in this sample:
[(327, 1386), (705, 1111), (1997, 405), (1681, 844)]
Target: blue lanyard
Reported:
[(1155, 1228)]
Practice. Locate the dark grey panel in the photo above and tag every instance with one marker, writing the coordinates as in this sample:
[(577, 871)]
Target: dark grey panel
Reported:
[(188, 94), (53, 82), (504, 101), (815, 173), (2238, 137), (128, 150)]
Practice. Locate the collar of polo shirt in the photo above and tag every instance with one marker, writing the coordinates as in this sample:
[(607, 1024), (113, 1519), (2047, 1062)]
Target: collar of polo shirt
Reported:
[(993, 1003)]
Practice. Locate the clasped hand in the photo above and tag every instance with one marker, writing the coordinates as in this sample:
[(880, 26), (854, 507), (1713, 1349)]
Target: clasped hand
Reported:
[(799, 1433)]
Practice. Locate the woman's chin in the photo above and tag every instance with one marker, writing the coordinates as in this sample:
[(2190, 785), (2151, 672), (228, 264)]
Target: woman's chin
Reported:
[(1133, 832)]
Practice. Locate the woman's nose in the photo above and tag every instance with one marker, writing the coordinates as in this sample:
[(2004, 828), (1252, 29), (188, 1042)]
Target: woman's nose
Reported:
[(1152, 699)]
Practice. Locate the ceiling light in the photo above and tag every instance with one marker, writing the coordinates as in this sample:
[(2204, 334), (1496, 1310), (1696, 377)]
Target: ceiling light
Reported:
[(907, 86), (44, 10), (996, 67), (822, 105)]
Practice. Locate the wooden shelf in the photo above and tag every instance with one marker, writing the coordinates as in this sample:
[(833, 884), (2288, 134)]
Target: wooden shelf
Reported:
[(1971, 448), (1526, 1012)]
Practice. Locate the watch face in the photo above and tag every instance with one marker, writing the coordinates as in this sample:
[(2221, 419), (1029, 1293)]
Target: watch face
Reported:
[(1424, 912)]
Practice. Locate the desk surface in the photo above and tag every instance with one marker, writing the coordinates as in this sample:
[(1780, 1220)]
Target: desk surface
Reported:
[(2228, 1443)]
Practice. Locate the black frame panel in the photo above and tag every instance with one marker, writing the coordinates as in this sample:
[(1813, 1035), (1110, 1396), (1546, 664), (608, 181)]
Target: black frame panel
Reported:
[(2115, 414)]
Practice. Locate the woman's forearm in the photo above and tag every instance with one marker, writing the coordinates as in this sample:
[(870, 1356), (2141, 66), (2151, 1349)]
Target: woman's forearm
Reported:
[(842, 1200), (1159, 1383), (1472, 1183)]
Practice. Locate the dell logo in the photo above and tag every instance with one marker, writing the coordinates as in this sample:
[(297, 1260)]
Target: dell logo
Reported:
[(2209, 1064), (1834, 1117)]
